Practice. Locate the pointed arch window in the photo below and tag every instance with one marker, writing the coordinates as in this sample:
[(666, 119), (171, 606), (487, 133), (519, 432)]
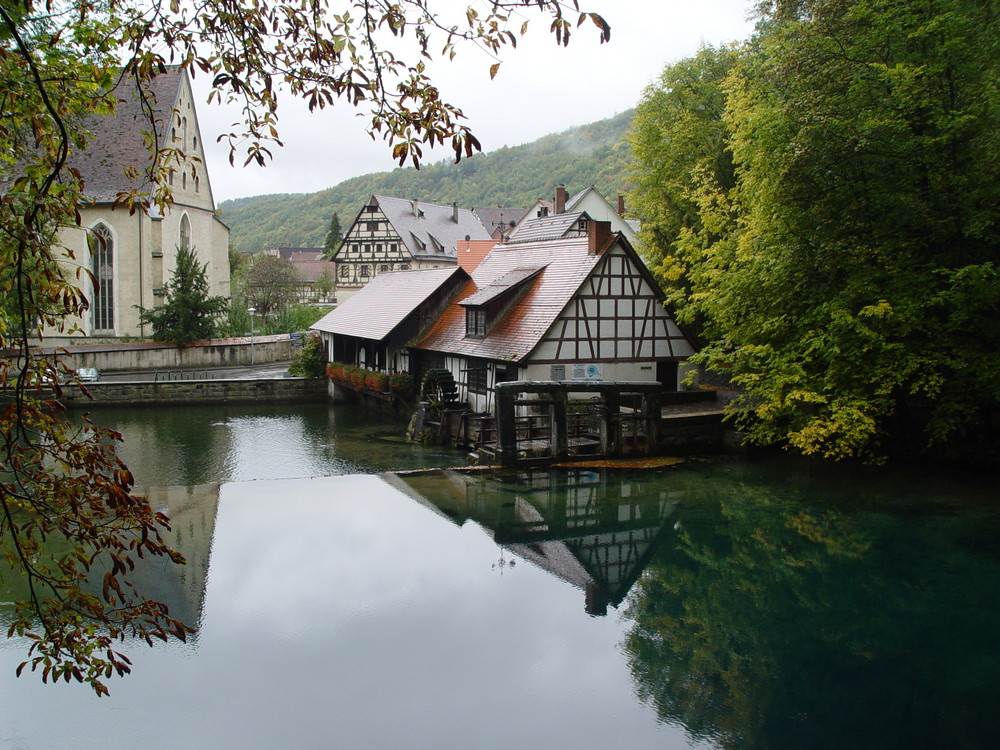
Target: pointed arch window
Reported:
[(102, 265), (185, 239)]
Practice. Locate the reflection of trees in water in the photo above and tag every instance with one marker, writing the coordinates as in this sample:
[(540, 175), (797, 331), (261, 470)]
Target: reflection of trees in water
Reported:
[(766, 622)]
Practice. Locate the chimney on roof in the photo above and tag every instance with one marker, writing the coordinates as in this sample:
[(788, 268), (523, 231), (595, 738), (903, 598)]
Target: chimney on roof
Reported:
[(598, 234), (454, 212), (621, 204), (416, 211), (561, 196)]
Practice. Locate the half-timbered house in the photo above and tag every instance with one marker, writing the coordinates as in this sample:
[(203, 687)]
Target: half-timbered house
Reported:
[(566, 299), (396, 234), (589, 201)]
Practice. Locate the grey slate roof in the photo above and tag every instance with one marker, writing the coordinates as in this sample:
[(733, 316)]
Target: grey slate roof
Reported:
[(118, 143), (429, 230), (546, 228), (384, 302), (498, 218)]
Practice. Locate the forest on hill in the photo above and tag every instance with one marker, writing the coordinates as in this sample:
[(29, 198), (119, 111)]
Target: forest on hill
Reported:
[(517, 176)]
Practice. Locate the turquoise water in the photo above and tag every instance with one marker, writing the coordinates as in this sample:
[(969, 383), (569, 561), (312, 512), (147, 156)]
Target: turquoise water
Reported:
[(716, 604)]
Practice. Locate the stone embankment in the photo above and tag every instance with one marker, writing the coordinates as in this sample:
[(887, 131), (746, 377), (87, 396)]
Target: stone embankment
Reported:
[(180, 392), (125, 357)]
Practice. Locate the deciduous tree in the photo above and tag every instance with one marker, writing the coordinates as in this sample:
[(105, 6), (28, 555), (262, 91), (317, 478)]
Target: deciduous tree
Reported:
[(854, 287), (270, 284), (683, 170)]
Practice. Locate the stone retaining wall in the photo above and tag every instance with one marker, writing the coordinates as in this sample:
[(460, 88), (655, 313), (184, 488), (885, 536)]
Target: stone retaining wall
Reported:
[(214, 353), (176, 392)]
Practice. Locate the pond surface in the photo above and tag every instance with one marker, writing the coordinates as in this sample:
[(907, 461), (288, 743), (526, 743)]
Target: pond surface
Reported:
[(716, 604)]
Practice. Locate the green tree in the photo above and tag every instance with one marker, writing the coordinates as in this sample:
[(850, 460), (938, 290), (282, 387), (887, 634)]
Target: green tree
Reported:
[(270, 284), (324, 283), (311, 362), (853, 287), (67, 509), (680, 157), (334, 236), (189, 312)]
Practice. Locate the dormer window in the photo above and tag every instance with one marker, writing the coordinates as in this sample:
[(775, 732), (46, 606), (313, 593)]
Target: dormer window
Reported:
[(475, 322), (485, 307)]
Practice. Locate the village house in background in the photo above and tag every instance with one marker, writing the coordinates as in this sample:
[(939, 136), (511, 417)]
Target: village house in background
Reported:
[(590, 200), (316, 283), (499, 221), (132, 256), (569, 300), (397, 234)]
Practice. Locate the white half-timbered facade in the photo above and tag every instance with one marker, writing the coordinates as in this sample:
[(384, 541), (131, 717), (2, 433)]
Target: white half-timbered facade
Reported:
[(616, 316), (395, 234)]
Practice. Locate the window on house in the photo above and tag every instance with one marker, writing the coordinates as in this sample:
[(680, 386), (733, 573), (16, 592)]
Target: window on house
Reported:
[(476, 378), (343, 271), (365, 272), (383, 269), (371, 226), (475, 322), (102, 264), (394, 247)]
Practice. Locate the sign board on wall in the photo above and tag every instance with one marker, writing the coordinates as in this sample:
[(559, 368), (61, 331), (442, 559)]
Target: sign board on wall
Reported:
[(586, 372)]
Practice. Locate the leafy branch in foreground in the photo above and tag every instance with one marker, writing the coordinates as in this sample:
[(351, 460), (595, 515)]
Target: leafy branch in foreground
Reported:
[(71, 528)]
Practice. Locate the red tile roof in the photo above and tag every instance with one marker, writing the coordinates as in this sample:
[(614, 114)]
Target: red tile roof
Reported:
[(472, 252), (567, 265)]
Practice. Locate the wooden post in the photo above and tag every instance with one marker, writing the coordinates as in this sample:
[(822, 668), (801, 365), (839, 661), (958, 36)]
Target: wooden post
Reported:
[(506, 428), (653, 413), (558, 435)]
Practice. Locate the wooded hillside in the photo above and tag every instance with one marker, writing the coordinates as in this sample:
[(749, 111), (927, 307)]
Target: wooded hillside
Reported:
[(592, 154)]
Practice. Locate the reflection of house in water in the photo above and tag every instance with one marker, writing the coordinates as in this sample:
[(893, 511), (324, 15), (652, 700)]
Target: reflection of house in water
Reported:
[(192, 511), (593, 528)]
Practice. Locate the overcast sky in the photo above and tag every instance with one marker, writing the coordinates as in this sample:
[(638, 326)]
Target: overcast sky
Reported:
[(540, 89)]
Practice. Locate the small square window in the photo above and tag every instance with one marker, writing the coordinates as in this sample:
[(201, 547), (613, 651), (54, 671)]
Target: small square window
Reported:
[(476, 379)]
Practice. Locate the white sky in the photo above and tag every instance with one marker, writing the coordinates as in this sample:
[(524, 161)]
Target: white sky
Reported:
[(540, 89)]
